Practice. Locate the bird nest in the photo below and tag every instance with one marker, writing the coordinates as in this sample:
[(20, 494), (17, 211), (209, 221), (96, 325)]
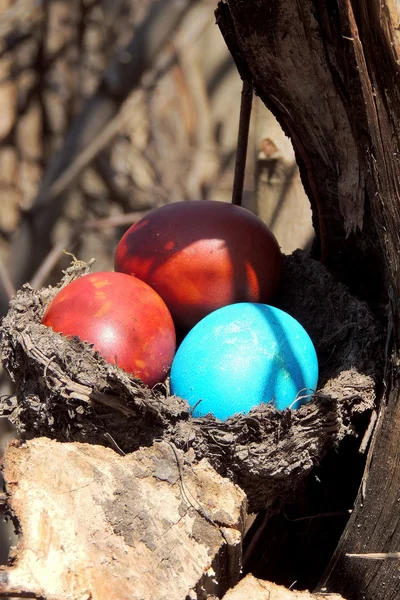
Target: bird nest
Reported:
[(66, 391)]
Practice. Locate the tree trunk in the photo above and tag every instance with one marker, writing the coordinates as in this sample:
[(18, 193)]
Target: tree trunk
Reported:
[(329, 72)]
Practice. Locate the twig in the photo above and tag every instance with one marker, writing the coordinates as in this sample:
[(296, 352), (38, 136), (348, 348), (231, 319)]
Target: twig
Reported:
[(12, 593), (368, 434), (3, 503), (83, 141), (19, 13), (58, 250), (376, 430), (109, 437), (115, 221), (104, 171), (51, 260), (72, 389), (205, 163), (186, 493), (327, 515), (71, 172), (243, 137), (254, 539), (121, 78), (376, 556), (6, 281)]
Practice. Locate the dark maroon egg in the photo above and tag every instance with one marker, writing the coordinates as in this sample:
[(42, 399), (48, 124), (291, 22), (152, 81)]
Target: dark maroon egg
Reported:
[(202, 255)]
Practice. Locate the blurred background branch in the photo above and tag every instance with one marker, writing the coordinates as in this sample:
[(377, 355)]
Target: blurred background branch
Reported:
[(112, 108), (94, 126)]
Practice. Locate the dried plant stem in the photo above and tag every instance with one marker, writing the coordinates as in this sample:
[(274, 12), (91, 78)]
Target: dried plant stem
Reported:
[(58, 250), (6, 281), (376, 556), (105, 135), (51, 260), (115, 221), (243, 137)]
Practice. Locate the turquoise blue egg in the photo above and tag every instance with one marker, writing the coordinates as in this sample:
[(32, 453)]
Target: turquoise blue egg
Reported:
[(241, 355)]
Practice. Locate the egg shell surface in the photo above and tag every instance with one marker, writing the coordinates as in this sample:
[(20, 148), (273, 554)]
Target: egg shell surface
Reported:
[(125, 319), (202, 255), (241, 355)]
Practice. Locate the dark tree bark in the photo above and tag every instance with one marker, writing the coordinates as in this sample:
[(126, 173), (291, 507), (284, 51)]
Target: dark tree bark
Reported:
[(329, 71)]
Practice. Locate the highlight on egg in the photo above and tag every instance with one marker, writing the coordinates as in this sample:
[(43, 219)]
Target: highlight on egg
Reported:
[(122, 317), (242, 355)]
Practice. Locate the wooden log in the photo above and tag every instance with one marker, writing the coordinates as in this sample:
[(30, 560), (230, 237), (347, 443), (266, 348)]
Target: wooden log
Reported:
[(258, 589), (98, 525)]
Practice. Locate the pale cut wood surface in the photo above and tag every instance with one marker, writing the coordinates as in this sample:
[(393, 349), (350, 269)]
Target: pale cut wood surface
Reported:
[(251, 588), (100, 526)]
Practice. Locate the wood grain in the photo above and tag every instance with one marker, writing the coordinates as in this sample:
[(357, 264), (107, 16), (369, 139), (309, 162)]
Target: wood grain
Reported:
[(98, 525)]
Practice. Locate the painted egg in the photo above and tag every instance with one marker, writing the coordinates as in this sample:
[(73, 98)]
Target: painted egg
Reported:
[(124, 318), (242, 355), (200, 256)]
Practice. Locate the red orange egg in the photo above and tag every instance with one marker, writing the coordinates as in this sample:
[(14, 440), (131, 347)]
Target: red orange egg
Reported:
[(200, 256), (124, 318)]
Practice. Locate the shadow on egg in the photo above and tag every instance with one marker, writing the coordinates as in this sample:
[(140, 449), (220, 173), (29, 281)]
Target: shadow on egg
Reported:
[(242, 355), (298, 370)]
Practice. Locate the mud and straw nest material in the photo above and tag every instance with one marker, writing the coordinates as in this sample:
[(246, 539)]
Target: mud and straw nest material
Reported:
[(66, 391)]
